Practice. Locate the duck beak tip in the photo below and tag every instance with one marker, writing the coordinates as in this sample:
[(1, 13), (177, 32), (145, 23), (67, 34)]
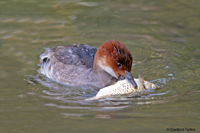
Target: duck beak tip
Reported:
[(129, 77)]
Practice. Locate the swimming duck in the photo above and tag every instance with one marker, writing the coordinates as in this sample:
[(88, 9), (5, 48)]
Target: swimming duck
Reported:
[(80, 65)]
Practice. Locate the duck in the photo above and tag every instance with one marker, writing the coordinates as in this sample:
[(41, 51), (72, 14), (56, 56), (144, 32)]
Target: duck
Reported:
[(83, 65)]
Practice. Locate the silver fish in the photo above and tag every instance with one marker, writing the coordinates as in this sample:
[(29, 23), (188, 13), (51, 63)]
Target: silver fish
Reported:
[(125, 88)]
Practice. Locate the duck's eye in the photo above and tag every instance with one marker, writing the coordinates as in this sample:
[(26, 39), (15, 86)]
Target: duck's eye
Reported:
[(119, 65)]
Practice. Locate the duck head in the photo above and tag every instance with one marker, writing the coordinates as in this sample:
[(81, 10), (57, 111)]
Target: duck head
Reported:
[(114, 58)]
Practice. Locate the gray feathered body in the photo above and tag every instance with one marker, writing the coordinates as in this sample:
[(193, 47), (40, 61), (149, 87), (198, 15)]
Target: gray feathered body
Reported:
[(73, 65)]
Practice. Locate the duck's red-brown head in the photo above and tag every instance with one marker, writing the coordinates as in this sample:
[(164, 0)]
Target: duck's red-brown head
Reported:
[(114, 58)]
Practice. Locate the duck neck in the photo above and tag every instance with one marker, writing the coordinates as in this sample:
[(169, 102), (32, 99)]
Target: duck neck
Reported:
[(96, 68), (101, 76)]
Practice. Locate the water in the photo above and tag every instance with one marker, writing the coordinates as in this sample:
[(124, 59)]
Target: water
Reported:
[(163, 37)]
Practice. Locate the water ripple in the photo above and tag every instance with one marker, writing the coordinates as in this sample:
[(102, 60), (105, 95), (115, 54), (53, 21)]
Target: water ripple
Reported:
[(89, 4)]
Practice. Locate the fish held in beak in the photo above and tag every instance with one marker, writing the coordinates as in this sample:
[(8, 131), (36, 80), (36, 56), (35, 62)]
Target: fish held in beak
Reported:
[(129, 77)]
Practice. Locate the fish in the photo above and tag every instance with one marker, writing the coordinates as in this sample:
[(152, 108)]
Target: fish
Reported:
[(125, 88)]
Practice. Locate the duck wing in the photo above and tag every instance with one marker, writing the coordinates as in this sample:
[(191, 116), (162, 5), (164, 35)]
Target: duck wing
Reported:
[(65, 63), (76, 55)]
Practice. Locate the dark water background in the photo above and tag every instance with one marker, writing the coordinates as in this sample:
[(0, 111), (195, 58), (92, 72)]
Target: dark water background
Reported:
[(163, 37)]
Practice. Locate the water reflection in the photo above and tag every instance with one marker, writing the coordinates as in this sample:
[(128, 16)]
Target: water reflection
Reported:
[(74, 98)]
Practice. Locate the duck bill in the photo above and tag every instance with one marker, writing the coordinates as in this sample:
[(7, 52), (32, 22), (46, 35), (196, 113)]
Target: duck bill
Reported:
[(129, 77)]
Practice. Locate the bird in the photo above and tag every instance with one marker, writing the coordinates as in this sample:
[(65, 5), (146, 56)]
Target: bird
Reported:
[(81, 64)]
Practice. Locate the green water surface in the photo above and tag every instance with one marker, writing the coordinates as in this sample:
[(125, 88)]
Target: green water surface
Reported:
[(163, 37)]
